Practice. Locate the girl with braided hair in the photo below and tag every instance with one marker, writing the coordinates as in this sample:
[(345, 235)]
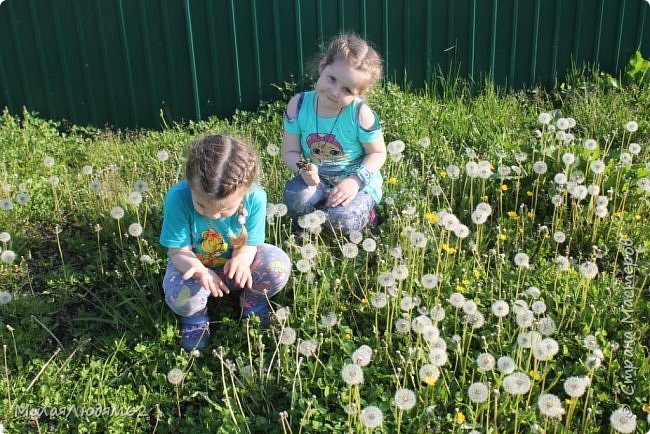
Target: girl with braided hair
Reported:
[(333, 140), (213, 228)]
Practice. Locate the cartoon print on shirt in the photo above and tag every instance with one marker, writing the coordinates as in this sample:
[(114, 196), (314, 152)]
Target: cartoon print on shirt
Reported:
[(212, 246), (326, 152)]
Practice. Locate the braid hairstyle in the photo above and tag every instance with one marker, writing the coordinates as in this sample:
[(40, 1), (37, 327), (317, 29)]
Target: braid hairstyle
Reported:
[(356, 53), (219, 165)]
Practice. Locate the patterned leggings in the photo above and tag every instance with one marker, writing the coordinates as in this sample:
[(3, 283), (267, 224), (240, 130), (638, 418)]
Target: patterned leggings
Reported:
[(302, 199), (270, 270)]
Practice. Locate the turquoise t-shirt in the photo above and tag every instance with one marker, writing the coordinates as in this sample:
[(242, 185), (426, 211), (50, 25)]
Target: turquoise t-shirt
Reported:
[(210, 239), (336, 148)]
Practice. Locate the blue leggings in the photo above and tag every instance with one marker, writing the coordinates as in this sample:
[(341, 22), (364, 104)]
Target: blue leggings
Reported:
[(270, 270), (302, 199)]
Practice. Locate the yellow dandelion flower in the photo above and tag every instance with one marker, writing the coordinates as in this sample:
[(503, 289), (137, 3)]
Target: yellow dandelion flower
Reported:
[(430, 381), (513, 215), (460, 288), (529, 193), (637, 217), (466, 282), (364, 301), (521, 230), (431, 217), (535, 375), (623, 236), (504, 187), (347, 336), (392, 180), (547, 235), (531, 214), (477, 273), (443, 174), (451, 250), (617, 214), (460, 417), (343, 308), (484, 198), (502, 237), (646, 408)]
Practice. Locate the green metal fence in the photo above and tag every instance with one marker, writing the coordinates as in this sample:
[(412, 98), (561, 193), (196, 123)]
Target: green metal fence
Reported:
[(119, 62)]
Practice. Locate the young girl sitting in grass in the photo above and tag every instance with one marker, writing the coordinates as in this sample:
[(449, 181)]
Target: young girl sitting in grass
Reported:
[(333, 140), (213, 226)]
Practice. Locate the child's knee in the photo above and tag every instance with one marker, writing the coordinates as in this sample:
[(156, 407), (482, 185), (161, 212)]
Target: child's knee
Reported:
[(346, 222), (182, 302), (273, 271)]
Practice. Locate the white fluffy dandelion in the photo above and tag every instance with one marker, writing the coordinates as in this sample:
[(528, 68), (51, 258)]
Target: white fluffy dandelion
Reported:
[(162, 155), (307, 348), (371, 417), (386, 279), (623, 420), (117, 212), (87, 170), (8, 256), (506, 365), (500, 308), (135, 229), (550, 405), (308, 251), (575, 387), (588, 270), (352, 374), (516, 383), (379, 300), (430, 281), (288, 336), (329, 320), (559, 237), (429, 374), (540, 167), (631, 126), (396, 147), (405, 399), (5, 237), (485, 362), (350, 250), (478, 392), (402, 326), (48, 161), (135, 198), (522, 260), (5, 297), (362, 356), (303, 265), (457, 299), (438, 356), (175, 376)]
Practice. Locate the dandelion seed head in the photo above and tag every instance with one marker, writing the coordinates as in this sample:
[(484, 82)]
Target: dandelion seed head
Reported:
[(272, 149), (438, 356), (485, 362), (538, 307), (506, 365), (175, 376), (405, 399), (162, 155), (453, 171), (457, 299), (550, 405), (288, 336), (8, 256), (588, 270), (623, 421), (402, 326), (386, 279), (429, 374), (371, 417), (631, 126), (48, 161), (546, 326), (396, 147), (430, 281), (378, 300), (54, 180), (307, 348), (117, 212), (533, 291), (437, 313), (469, 307), (419, 323), (516, 383), (545, 118), (352, 374), (575, 387), (282, 314), (522, 260), (355, 237), (362, 356), (329, 320), (87, 170), (350, 250), (500, 308), (135, 198), (478, 392), (562, 124)]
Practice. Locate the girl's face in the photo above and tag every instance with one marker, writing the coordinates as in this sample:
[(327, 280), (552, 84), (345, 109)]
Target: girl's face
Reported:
[(216, 209), (338, 85)]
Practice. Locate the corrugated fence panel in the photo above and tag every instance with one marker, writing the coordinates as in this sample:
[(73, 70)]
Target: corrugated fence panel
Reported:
[(122, 63)]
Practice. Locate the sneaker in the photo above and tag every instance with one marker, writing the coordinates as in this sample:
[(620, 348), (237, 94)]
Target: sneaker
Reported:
[(195, 333), (263, 311)]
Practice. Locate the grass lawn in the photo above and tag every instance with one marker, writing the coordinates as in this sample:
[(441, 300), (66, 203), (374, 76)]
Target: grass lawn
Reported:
[(506, 289)]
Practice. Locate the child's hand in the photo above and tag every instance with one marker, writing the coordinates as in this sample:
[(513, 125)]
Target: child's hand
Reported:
[(310, 175), (239, 271), (343, 193), (208, 280)]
